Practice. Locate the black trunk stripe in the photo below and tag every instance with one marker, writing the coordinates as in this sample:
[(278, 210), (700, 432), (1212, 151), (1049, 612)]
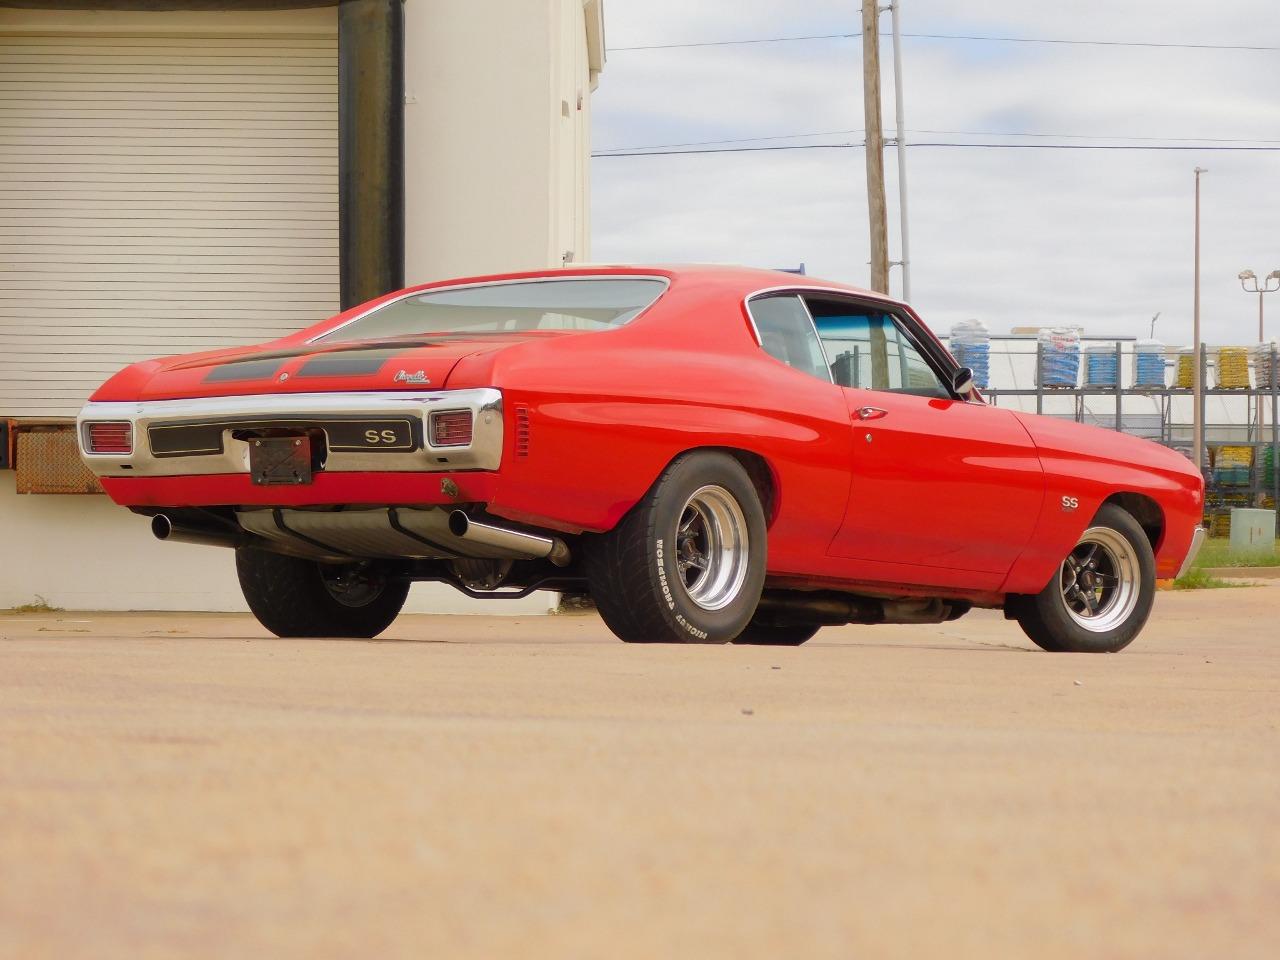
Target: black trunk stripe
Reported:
[(347, 363), (257, 369)]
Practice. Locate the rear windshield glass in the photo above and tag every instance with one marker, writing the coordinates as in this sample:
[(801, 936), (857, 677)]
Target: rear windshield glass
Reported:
[(577, 304)]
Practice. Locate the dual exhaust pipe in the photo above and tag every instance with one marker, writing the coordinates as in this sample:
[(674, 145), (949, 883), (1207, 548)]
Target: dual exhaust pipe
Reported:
[(529, 546), (518, 544), (165, 528)]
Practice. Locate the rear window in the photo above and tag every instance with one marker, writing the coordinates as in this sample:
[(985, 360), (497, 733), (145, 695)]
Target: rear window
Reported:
[(581, 303)]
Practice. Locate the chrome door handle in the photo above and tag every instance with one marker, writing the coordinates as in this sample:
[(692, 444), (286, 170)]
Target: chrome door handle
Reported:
[(871, 413)]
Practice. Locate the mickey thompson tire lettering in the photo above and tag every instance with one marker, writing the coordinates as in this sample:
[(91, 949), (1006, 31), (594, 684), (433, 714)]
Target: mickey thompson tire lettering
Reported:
[(632, 570)]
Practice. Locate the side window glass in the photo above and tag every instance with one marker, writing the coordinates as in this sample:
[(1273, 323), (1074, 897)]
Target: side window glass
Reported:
[(787, 334), (868, 349)]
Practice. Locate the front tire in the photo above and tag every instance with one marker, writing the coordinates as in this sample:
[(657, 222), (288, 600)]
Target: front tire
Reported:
[(293, 597), (1100, 597), (687, 563)]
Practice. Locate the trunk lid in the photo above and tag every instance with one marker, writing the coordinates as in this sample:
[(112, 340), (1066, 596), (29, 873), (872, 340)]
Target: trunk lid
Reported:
[(401, 363)]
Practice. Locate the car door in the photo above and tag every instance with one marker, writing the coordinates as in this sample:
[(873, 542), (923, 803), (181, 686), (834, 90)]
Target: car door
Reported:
[(939, 482)]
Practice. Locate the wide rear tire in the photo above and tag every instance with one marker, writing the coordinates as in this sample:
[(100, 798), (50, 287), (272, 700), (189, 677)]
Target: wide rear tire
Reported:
[(687, 563), (293, 597), (1100, 597)]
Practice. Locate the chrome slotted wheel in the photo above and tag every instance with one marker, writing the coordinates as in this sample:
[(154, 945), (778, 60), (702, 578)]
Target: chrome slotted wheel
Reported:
[(712, 548), (1100, 579)]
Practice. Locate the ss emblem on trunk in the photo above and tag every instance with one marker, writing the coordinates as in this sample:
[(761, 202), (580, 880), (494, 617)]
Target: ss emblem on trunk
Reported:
[(379, 436)]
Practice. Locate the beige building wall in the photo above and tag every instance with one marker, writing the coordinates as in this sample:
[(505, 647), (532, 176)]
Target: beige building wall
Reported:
[(497, 129), (497, 107)]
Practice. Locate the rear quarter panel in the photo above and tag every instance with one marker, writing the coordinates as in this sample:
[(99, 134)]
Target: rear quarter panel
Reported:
[(606, 413)]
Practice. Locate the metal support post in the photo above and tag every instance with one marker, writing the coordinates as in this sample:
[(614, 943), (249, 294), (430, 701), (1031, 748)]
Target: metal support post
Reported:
[(1119, 383)]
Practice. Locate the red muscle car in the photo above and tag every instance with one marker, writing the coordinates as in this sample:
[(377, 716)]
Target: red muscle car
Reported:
[(713, 454)]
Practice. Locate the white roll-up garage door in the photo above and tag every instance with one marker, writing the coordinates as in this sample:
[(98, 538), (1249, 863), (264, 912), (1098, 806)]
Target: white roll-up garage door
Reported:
[(158, 195)]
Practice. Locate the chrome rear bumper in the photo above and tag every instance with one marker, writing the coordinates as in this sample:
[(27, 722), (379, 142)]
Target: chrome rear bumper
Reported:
[(298, 410)]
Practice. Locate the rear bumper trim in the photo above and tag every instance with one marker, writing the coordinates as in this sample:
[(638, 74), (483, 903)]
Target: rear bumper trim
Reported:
[(297, 410)]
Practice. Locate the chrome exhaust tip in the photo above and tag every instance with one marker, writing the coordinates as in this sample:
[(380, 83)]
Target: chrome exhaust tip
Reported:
[(164, 528), (527, 546)]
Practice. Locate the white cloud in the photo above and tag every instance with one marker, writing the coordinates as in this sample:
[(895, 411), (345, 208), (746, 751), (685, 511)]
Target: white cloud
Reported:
[(1012, 236)]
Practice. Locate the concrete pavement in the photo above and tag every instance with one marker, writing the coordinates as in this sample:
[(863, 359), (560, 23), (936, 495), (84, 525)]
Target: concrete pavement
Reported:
[(186, 786)]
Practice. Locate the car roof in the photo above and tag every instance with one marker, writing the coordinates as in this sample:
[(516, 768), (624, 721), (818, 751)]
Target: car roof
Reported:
[(739, 281)]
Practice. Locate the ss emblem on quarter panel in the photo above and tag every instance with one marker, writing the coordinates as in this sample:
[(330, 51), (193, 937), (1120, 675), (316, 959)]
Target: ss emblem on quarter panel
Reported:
[(1069, 504)]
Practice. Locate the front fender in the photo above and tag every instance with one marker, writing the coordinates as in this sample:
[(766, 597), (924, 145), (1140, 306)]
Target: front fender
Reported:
[(1086, 466)]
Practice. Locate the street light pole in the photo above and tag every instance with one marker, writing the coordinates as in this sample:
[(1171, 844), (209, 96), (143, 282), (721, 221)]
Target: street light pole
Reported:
[(1197, 430), (1248, 277), (904, 231)]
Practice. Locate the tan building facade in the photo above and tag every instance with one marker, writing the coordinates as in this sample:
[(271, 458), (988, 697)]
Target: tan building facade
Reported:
[(173, 178)]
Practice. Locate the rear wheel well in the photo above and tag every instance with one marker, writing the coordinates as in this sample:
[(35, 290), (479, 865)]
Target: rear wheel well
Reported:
[(1145, 510), (758, 469)]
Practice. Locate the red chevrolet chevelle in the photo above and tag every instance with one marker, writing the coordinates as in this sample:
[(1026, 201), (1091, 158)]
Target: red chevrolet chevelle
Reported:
[(713, 454)]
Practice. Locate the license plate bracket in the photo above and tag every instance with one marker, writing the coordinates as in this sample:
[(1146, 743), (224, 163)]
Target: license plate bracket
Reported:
[(280, 460)]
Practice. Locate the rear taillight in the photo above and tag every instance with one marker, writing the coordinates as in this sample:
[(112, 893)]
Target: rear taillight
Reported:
[(451, 428), (115, 437)]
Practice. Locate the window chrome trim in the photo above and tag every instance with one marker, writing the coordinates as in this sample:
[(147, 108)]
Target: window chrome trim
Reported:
[(822, 348), (421, 291), (755, 329), (895, 308)]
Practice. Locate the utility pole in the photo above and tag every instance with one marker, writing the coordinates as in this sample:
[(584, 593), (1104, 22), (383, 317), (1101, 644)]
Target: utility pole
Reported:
[(1197, 433), (904, 228), (875, 145)]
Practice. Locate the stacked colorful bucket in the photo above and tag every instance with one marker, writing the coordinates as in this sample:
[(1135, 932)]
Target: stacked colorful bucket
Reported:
[(1232, 466), (1101, 366), (1059, 356), (1186, 374), (1263, 365), (1148, 363), (971, 346), (1232, 370), (1220, 525)]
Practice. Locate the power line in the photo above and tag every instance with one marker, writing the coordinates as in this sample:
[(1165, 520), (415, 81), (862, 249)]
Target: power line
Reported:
[(1104, 136), (732, 43), (708, 143), (1093, 43), (963, 133), (915, 144), (1148, 44), (670, 153), (1100, 146)]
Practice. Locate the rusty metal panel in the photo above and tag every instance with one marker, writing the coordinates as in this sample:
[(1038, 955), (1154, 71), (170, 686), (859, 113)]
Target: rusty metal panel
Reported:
[(48, 461)]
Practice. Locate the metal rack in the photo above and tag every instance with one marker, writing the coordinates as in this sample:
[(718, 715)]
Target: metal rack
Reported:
[(1261, 431)]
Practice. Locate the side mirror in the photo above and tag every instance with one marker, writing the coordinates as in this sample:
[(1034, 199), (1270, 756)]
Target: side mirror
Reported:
[(962, 382)]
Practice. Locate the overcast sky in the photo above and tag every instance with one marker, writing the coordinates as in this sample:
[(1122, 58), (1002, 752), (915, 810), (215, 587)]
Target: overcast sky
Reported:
[(1013, 237)]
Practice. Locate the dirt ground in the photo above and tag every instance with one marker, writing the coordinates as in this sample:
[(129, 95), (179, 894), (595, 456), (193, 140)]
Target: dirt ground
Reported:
[(186, 786)]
